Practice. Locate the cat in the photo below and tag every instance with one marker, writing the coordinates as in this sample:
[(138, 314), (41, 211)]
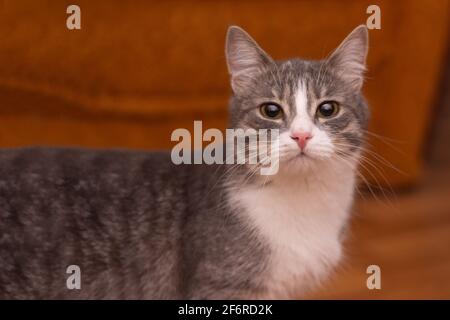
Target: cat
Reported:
[(140, 227)]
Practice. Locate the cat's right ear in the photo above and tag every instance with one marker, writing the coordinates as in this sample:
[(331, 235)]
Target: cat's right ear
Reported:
[(245, 59)]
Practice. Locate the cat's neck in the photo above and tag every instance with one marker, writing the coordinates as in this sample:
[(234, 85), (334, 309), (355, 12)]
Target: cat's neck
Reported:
[(320, 187), (300, 217)]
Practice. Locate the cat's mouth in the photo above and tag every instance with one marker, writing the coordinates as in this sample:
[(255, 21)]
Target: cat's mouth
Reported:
[(299, 156), (304, 158), (302, 153)]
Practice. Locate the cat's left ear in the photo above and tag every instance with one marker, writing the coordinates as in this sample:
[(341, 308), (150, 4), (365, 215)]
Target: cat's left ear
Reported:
[(349, 59), (245, 59)]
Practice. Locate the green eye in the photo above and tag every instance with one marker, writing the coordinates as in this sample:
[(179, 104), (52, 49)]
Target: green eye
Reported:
[(328, 109), (271, 110)]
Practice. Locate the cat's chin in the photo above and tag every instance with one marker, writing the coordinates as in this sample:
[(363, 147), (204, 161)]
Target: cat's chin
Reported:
[(302, 163), (306, 158)]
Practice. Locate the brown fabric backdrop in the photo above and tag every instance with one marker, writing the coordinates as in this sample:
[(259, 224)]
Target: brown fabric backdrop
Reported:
[(139, 69)]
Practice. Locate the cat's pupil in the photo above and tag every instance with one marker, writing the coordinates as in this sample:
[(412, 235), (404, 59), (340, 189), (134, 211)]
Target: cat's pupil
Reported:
[(327, 109), (271, 110)]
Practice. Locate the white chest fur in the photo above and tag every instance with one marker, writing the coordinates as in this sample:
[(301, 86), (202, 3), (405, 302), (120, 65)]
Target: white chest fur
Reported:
[(301, 219)]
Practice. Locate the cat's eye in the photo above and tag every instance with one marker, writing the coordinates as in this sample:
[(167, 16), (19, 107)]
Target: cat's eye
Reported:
[(328, 109), (271, 110)]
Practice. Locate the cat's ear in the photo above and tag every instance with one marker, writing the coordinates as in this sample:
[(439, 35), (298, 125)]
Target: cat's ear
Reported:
[(245, 58), (349, 59)]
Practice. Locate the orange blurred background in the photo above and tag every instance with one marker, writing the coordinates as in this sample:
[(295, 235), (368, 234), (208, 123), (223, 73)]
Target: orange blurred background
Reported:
[(137, 70)]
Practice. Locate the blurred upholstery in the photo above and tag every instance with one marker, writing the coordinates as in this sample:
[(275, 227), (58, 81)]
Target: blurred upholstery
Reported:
[(139, 69)]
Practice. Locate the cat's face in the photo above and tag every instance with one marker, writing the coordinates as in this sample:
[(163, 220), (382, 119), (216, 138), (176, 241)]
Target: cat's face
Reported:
[(317, 106)]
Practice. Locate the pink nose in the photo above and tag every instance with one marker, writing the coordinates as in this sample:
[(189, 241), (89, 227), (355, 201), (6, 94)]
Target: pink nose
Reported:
[(301, 138)]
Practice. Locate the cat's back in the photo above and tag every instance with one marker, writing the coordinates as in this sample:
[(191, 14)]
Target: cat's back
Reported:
[(82, 180), (96, 209), (16, 163)]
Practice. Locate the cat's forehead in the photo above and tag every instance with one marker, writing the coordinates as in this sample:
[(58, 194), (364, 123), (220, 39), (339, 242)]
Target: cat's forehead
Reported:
[(284, 79), (291, 78)]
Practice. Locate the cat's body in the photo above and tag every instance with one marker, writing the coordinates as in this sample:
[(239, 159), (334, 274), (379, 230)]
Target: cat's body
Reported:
[(113, 214), (58, 208), (139, 226)]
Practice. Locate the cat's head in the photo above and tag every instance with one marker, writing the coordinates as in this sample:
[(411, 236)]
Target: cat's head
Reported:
[(317, 106)]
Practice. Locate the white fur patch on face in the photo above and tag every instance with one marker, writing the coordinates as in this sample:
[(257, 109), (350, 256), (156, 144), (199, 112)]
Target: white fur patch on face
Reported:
[(302, 121)]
